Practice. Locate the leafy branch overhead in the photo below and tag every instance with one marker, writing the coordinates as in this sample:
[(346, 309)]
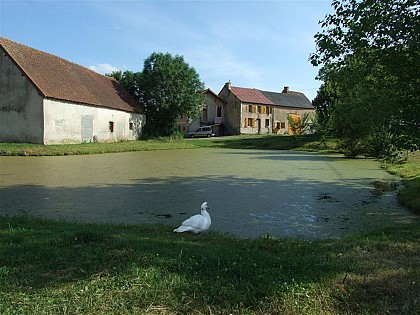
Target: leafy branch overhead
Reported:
[(368, 54)]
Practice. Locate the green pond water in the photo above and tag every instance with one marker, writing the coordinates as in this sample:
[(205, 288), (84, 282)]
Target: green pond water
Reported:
[(251, 193)]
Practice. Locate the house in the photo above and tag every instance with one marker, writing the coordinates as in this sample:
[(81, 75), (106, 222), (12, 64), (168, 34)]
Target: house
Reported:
[(210, 115), (46, 99), (253, 111)]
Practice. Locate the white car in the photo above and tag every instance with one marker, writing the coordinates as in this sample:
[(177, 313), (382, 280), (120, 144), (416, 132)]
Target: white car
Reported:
[(205, 131)]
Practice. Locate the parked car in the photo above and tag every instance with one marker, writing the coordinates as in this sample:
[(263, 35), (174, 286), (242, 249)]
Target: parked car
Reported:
[(206, 131)]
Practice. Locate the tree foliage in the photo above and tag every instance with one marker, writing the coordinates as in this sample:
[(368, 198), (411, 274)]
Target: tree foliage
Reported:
[(167, 88), (323, 104), (369, 55), (299, 125)]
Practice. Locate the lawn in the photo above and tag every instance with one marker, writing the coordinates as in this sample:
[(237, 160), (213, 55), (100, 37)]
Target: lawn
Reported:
[(53, 267), (309, 142)]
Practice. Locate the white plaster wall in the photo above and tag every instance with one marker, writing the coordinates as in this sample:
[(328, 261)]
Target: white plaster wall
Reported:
[(75, 123), (21, 118)]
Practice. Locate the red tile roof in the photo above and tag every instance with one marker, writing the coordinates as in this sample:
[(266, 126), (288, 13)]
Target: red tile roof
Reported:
[(60, 79), (246, 95), (284, 99)]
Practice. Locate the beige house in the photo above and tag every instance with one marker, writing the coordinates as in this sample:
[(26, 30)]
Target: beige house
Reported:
[(253, 111), (46, 99), (211, 115)]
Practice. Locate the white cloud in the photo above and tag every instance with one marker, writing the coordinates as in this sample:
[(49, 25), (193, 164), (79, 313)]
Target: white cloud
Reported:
[(103, 68)]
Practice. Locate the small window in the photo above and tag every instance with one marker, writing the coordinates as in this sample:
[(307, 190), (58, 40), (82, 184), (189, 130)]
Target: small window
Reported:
[(278, 125), (219, 111), (111, 126), (131, 126), (283, 125), (259, 109), (267, 123), (250, 124), (250, 108), (267, 110)]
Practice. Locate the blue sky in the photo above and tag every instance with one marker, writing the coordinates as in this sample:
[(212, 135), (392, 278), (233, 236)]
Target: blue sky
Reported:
[(254, 44)]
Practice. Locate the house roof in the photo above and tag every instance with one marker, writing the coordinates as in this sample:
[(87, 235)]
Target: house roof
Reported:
[(285, 99), (210, 91), (289, 99), (60, 79), (246, 95)]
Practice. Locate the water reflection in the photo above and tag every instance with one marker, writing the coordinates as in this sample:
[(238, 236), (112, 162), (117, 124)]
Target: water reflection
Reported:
[(251, 192)]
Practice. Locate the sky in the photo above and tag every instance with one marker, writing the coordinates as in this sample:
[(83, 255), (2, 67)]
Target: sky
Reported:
[(254, 44)]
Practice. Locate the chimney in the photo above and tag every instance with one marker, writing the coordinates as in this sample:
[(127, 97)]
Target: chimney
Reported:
[(286, 89), (228, 85)]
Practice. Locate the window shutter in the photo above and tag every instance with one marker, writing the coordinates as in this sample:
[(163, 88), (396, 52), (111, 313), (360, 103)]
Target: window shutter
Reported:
[(253, 122), (254, 108), (246, 122)]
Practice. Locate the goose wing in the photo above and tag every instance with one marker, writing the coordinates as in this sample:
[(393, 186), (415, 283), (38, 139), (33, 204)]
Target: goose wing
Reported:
[(197, 223)]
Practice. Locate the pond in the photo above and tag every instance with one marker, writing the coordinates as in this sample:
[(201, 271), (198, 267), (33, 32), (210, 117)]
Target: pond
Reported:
[(251, 193)]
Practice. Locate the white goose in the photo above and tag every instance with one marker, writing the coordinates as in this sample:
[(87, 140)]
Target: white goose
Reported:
[(197, 223)]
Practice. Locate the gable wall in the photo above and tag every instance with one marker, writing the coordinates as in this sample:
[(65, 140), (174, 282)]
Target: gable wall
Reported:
[(75, 123), (232, 111), (212, 102), (21, 114)]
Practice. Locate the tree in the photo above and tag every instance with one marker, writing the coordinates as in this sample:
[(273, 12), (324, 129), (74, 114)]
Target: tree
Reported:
[(299, 125), (369, 51), (128, 79), (168, 88), (324, 104)]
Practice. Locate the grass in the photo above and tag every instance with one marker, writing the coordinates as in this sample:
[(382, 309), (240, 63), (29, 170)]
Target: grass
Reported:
[(409, 171), (56, 267), (236, 142)]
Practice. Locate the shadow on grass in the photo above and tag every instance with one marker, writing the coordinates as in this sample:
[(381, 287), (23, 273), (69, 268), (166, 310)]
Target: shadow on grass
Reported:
[(272, 142), (139, 266)]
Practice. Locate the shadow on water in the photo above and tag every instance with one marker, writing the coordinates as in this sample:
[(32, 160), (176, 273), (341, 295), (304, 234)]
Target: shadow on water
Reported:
[(287, 155), (245, 207)]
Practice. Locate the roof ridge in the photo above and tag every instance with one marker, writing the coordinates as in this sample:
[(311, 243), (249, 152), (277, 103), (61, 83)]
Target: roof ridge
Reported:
[(52, 55), (58, 78)]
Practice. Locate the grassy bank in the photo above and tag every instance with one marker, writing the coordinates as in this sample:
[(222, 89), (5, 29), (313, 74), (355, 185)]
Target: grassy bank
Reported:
[(235, 142), (50, 267), (409, 171)]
